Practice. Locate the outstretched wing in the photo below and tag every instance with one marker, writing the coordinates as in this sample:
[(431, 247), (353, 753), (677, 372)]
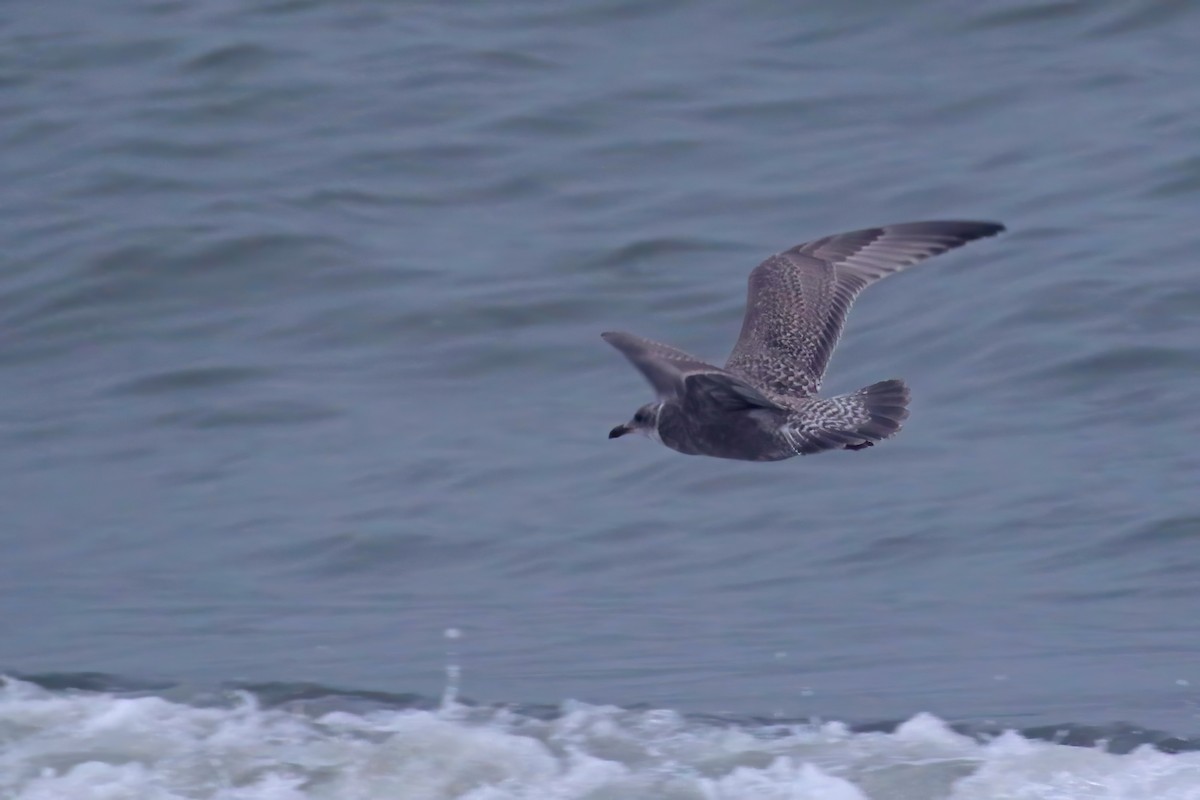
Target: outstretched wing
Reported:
[(666, 367), (798, 300)]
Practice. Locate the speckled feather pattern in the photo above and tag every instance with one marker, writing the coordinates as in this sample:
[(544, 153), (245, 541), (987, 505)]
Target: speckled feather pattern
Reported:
[(762, 406), (798, 300)]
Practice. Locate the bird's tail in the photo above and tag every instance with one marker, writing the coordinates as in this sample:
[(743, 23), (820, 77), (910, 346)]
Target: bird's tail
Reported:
[(882, 408)]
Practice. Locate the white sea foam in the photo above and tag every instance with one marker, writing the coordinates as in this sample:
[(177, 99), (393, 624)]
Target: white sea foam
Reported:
[(85, 746)]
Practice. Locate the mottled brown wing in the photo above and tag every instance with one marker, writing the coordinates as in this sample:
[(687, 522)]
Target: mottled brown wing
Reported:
[(664, 366), (798, 300)]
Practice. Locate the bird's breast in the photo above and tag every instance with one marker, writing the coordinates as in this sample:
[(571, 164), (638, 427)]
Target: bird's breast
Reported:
[(746, 435)]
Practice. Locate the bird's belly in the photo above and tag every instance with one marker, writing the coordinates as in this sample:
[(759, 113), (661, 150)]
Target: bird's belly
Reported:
[(743, 435)]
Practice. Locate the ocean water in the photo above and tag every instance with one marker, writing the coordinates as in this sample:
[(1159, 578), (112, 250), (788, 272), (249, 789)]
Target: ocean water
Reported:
[(299, 316)]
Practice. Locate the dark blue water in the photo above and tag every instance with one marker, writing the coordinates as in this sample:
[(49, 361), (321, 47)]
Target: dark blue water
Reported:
[(299, 316)]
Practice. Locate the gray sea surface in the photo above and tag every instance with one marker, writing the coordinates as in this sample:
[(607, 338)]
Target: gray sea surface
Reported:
[(300, 364)]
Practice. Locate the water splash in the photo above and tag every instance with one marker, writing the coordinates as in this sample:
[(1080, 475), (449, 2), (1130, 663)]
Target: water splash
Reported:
[(453, 671)]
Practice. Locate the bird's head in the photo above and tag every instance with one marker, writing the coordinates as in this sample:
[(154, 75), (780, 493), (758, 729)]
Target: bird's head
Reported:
[(645, 422)]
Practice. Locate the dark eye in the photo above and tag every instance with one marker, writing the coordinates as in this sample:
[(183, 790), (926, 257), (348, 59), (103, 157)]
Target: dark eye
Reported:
[(640, 416)]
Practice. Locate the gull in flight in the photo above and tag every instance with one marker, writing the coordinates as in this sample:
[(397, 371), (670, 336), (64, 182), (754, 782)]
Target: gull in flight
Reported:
[(763, 404)]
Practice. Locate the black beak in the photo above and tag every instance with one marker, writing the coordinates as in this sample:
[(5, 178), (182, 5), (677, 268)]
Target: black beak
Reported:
[(620, 430)]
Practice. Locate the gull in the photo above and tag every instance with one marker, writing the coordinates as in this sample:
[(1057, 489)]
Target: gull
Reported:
[(763, 404)]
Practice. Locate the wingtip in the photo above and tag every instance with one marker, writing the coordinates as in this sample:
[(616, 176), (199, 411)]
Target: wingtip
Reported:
[(966, 230), (985, 227)]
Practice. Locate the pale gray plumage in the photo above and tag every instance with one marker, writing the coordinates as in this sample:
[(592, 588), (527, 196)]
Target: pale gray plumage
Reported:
[(762, 406)]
